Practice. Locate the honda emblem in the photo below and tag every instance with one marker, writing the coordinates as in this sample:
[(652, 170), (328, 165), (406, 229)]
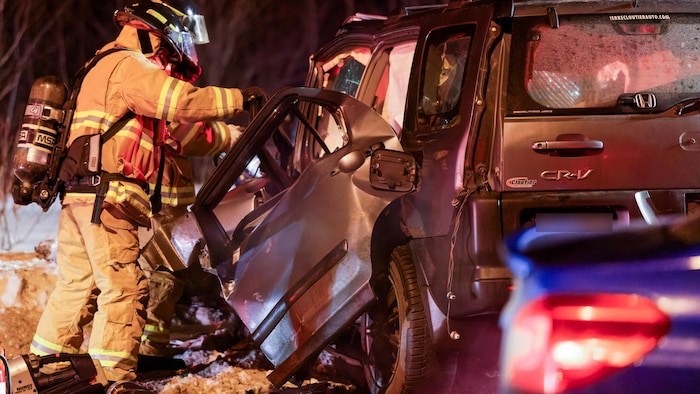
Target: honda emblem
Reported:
[(645, 100)]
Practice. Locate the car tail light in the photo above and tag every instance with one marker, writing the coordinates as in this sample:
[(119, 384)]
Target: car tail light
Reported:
[(563, 342)]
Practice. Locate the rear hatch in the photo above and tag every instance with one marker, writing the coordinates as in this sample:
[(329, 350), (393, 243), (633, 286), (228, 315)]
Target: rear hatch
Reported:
[(603, 116)]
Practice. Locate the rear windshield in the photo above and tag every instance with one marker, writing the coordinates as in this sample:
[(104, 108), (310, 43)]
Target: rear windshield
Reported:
[(604, 61)]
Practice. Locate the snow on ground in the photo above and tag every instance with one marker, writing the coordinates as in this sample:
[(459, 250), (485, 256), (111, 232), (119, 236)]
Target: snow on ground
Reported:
[(26, 276), (26, 226)]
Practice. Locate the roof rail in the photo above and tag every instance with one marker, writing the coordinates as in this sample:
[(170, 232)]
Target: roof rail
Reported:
[(401, 12), (359, 16), (418, 8)]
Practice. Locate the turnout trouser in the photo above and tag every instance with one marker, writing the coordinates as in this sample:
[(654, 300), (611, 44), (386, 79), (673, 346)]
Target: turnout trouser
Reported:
[(100, 281)]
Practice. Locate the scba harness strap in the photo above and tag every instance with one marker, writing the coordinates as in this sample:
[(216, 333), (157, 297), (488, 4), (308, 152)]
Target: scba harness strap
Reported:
[(74, 178), (78, 171)]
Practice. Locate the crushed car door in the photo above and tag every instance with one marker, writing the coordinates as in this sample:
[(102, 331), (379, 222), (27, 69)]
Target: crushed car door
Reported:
[(293, 257)]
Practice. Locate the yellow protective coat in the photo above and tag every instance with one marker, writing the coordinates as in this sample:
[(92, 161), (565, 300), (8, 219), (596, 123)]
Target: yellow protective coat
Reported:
[(99, 279), (198, 139)]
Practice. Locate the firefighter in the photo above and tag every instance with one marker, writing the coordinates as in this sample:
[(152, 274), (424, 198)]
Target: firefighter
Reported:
[(165, 288), (99, 278), (177, 194)]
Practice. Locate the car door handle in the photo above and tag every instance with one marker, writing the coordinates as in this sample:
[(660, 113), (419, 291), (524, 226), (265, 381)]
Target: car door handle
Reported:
[(567, 145)]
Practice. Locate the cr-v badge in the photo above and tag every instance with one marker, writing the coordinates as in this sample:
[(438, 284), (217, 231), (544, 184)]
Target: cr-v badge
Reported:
[(557, 175)]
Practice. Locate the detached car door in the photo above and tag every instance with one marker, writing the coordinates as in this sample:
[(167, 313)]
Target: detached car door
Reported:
[(288, 214)]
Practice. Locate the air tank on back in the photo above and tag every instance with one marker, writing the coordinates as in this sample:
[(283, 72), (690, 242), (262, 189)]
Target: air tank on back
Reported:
[(39, 133)]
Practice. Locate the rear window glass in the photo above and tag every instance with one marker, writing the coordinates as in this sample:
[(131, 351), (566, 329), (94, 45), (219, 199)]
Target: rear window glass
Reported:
[(442, 77), (600, 60)]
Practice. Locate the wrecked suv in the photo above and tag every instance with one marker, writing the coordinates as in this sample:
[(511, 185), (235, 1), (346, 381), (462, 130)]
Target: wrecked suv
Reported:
[(359, 219)]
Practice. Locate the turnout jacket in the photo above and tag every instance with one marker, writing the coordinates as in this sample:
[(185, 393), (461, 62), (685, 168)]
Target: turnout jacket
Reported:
[(127, 81), (201, 139)]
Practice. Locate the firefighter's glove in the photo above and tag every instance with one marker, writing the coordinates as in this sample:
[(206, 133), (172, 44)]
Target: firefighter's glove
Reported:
[(253, 98)]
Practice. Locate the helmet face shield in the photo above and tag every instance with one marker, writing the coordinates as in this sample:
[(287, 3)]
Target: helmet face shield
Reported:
[(196, 25), (188, 11), (185, 43)]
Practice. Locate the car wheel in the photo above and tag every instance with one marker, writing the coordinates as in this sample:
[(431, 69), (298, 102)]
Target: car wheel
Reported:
[(394, 332)]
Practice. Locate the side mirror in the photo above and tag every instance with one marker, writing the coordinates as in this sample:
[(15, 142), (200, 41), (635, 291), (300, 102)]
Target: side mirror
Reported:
[(393, 171)]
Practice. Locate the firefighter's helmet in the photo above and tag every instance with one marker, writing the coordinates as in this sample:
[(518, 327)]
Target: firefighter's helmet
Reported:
[(164, 21)]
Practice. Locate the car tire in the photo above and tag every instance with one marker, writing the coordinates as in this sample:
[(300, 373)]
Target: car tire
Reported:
[(395, 333)]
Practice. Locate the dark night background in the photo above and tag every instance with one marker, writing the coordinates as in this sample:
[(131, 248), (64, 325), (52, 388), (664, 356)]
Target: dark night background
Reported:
[(253, 42)]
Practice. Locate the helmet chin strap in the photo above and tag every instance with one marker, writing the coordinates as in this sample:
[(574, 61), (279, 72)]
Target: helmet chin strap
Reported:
[(144, 41)]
